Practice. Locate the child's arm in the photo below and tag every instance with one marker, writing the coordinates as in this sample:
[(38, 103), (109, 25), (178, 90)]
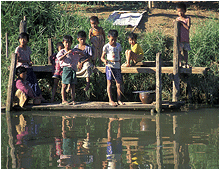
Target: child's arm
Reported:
[(187, 25), (63, 56), (103, 58)]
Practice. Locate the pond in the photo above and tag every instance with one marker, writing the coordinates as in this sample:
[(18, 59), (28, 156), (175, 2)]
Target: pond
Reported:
[(97, 140)]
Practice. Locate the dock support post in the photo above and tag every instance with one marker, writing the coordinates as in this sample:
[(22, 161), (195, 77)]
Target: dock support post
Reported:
[(159, 142), (176, 55), (50, 50), (176, 144), (158, 83), (11, 83), (23, 25)]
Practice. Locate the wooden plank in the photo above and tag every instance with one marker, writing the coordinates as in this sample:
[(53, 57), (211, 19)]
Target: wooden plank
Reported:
[(11, 83), (158, 83), (176, 54), (153, 63), (23, 25)]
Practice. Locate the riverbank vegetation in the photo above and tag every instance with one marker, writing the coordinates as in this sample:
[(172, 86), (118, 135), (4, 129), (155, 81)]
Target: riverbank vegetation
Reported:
[(54, 19)]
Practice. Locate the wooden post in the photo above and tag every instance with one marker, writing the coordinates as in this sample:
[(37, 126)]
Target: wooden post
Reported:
[(158, 83), (150, 4), (11, 82), (176, 144), (6, 46), (176, 54), (159, 142), (23, 25), (50, 50)]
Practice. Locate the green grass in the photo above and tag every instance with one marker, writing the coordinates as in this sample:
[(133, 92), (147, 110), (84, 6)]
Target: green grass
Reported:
[(54, 19)]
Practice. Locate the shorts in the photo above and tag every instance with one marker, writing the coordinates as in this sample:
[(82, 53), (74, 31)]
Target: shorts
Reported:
[(69, 76), (113, 74), (184, 46)]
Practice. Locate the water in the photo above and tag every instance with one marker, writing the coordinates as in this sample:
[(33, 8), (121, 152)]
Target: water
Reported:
[(113, 140)]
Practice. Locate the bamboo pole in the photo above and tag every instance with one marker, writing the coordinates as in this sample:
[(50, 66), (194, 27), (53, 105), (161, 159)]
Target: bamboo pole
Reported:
[(6, 46), (158, 83), (23, 25), (11, 83), (176, 54), (50, 50)]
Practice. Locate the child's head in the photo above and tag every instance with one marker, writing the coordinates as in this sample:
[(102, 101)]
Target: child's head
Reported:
[(21, 72), (94, 21), (112, 36), (81, 37), (132, 38), (59, 46), (67, 41), (23, 38), (181, 9)]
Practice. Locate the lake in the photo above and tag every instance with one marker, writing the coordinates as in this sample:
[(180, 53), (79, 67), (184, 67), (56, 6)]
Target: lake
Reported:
[(97, 140)]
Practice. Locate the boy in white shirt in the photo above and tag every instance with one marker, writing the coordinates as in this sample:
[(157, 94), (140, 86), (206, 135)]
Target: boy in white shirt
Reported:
[(113, 66)]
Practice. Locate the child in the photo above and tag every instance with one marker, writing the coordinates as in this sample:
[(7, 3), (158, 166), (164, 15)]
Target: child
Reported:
[(23, 59), (97, 38), (113, 65), (184, 33), (23, 91), (68, 61), (84, 65), (136, 53), (57, 71)]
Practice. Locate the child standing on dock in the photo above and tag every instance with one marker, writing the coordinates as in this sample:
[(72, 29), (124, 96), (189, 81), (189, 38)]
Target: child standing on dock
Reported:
[(84, 63), (57, 71), (136, 54), (113, 66), (23, 52), (184, 33), (68, 61), (97, 38)]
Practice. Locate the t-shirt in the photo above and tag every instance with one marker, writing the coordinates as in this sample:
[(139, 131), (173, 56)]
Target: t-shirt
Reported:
[(113, 54), (71, 59), (136, 48), (23, 55), (87, 52), (184, 33)]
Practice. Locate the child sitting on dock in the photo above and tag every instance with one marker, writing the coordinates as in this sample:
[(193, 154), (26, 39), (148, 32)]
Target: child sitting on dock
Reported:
[(57, 71), (184, 33), (113, 66), (23, 91), (84, 65), (97, 38), (68, 61), (23, 59), (136, 53)]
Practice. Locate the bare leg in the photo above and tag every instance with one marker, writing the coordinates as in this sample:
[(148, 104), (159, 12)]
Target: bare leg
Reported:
[(185, 53), (119, 91), (72, 87), (63, 93), (87, 84), (109, 91), (56, 81)]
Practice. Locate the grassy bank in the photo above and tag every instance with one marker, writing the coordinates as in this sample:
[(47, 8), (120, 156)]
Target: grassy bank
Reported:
[(55, 19)]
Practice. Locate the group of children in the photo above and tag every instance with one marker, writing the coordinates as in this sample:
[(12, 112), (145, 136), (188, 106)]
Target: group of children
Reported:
[(68, 61)]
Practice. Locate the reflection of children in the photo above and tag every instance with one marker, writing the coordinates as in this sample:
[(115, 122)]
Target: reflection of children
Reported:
[(84, 65), (57, 71), (68, 61), (23, 59), (136, 53), (97, 37), (184, 33), (113, 66), (24, 92), (114, 148)]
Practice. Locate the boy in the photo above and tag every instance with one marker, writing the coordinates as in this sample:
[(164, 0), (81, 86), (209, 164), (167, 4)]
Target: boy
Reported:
[(136, 53), (84, 65), (68, 61), (113, 65), (184, 33)]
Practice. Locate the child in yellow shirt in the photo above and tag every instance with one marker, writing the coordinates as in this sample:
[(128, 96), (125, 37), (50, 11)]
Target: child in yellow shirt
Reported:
[(136, 53)]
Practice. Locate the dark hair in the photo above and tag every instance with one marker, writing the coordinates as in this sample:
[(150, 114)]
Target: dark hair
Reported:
[(132, 36), (113, 33), (95, 18), (59, 44), (23, 35), (181, 5), (20, 70), (81, 34), (68, 38)]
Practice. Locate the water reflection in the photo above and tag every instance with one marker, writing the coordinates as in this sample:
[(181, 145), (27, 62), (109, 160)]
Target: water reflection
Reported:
[(129, 141)]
